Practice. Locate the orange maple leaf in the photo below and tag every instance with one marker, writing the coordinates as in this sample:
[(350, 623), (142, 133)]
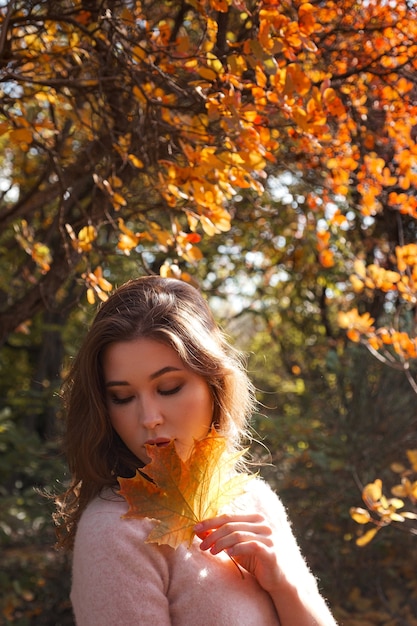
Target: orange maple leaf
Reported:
[(180, 493)]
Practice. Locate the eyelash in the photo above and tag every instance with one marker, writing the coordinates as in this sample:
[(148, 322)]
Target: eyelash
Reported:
[(168, 392), (171, 392), (121, 400)]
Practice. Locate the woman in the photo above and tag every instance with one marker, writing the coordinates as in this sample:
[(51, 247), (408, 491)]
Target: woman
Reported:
[(155, 368)]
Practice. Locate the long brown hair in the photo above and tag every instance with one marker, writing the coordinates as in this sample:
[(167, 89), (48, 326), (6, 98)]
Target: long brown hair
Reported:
[(167, 310)]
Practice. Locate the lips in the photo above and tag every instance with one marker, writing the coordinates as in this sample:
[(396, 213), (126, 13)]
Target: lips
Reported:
[(160, 442)]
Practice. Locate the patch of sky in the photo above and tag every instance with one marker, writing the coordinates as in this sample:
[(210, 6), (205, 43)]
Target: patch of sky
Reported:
[(279, 187), (11, 192)]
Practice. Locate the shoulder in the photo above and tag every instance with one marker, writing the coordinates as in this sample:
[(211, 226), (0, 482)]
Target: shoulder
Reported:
[(260, 497), (105, 511), (261, 490), (102, 529), (107, 504), (106, 542), (263, 497)]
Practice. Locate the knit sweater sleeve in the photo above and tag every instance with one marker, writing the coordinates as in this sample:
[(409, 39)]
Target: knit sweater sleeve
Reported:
[(117, 577), (292, 561)]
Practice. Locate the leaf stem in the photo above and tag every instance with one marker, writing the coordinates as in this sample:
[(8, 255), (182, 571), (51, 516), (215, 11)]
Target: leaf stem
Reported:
[(242, 575)]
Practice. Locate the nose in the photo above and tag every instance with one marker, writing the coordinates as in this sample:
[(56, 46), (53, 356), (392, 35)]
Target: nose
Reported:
[(151, 414)]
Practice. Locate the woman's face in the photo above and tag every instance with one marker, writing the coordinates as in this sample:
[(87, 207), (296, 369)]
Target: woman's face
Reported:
[(153, 398)]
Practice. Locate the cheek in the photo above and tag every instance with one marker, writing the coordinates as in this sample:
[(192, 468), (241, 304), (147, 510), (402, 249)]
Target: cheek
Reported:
[(120, 425), (117, 427), (202, 404)]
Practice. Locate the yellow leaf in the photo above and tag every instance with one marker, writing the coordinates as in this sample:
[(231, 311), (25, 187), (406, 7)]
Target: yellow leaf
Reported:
[(104, 284), (374, 342), (300, 117), (357, 284), (118, 201), (192, 254), (115, 182), (127, 238), (260, 77), (354, 321), (359, 267), (397, 467), (21, 135), (182, 493), (256, 160), (135, 161), (169, 270), (163, 237), (249, 116), (397, 503), (237, 64), (215, 63), (207, 73), (361, 516), (191, 63), (209, 228), (372, 492), (90, 296), (367, 537), (41, 254), (192, 222), (139, 53), (223, 223), (399, 490), (412, 457), (102, 296), (86, 236)]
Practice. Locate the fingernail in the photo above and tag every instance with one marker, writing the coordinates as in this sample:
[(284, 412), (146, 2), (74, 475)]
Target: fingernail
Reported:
[(198, 527)]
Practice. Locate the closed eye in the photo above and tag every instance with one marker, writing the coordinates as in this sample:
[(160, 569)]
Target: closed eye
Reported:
[(116, 400), (170, 392)]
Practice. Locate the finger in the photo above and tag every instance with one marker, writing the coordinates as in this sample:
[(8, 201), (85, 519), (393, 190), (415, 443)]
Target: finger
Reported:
[(253, 525), (231, 534), (252, 547), (240, 543), (216, 522)]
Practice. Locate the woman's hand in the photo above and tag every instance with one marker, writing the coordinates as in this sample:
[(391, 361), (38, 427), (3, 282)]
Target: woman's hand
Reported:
[(248, 539), (275, 561)]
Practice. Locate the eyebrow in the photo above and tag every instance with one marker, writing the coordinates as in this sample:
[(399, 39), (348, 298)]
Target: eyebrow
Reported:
[(157, 374)]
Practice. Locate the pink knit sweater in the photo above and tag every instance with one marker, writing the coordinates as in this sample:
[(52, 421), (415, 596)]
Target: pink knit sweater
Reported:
[(119, 580)]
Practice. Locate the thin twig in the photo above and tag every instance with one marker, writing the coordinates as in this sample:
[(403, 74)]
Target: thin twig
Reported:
[(3, 35)]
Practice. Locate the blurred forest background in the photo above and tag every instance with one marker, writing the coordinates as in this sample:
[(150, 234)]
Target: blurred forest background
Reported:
[(266, 152)]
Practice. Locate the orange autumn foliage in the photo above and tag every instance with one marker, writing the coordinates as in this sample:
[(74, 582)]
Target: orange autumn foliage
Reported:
[(382, 511), (121, 121), (372, 278)]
